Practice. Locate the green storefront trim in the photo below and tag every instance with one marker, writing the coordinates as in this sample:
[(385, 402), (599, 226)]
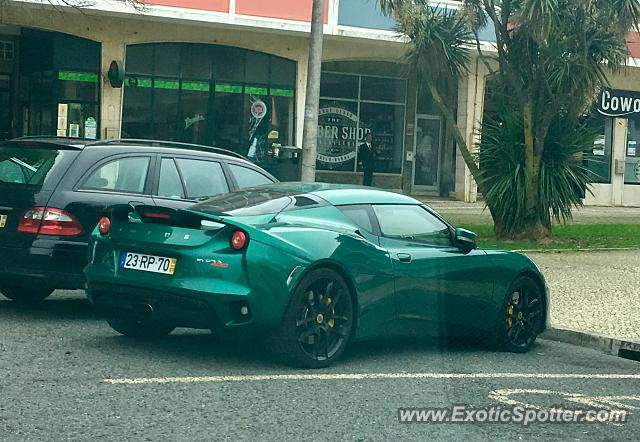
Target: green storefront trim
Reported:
[(166, 84), (138, 82), (86, 77), (229, 88), (256, 90), (281, 92), (195, 86)]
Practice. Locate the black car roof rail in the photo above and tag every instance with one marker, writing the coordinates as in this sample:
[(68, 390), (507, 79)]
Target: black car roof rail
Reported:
[(54, 139), (174, 144)]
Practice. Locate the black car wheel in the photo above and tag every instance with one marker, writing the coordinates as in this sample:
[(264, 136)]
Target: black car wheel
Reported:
[(317, 325), (24, 294), (522, 316), (140, 329)]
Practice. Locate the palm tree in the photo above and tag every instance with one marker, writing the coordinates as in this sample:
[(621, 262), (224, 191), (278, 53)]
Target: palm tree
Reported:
[(551, 58)]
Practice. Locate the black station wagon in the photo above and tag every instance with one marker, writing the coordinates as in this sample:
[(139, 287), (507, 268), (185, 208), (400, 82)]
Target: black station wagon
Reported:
[(53, 191)]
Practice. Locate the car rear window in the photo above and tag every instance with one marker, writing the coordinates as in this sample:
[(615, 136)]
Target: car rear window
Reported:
[(33, 166), (257, 201)]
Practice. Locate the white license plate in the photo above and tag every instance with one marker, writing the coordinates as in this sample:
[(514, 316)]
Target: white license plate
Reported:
[(148, 263), (3, 221)]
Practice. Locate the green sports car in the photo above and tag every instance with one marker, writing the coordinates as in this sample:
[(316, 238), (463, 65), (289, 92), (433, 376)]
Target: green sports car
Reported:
[(309, 268)]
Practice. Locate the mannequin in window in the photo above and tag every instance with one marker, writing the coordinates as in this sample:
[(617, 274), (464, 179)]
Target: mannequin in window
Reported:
[(366, 156)]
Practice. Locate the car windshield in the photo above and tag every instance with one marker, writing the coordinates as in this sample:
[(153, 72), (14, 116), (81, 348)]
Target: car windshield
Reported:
[(255, 201), (29, 166)]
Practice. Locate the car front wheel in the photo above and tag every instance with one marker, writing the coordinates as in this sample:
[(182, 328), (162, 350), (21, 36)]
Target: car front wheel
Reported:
[(140, 329), (522, 316), (317, 325), (24, 294)]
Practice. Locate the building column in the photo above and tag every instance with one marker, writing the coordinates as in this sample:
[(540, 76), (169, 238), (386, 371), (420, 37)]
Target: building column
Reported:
[(301, 93), (470, 108), (110, 97), (618, 151)]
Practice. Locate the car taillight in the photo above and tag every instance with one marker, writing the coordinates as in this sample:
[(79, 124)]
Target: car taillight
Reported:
[(104, 225), (48, 221), (239, 240)]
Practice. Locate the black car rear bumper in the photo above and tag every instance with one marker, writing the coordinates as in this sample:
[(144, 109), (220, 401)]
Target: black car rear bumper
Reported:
[(51, 264)]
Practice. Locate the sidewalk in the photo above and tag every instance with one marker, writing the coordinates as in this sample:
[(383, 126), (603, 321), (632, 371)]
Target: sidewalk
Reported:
[(458, 212), (594, 292)]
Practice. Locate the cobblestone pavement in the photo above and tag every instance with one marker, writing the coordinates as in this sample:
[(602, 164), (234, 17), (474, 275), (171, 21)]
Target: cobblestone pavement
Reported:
[(475, 213), (596, 292)]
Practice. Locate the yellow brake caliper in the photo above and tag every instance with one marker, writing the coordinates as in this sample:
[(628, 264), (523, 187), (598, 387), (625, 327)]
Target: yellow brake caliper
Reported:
[(330, 322)]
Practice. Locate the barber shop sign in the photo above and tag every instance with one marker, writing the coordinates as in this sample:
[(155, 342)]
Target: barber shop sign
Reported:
[(618, 103)]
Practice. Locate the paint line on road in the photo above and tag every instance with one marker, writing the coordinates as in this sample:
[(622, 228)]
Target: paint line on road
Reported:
[(363, 376)]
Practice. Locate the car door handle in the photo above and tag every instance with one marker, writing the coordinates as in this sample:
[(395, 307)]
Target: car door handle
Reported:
[(404, 257)]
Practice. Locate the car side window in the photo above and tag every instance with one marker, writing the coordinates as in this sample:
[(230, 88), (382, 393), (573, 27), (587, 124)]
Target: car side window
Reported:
[(170, 185), (246, 177), (202, 178), (360, 215), (412, 223), (122, 175)]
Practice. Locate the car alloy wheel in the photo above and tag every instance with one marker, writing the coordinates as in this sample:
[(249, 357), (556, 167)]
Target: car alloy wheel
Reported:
[(318, 322), (523, 315)]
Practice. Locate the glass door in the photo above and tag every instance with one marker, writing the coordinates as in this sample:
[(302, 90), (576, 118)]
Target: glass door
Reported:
[(426, 162)]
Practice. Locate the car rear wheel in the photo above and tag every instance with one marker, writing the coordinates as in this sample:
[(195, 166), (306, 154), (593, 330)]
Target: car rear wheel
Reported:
[(24, 294), (140, 329), (317, 325), (522, 316)]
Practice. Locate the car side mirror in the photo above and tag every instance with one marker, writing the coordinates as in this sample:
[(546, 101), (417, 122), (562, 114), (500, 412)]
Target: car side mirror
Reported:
[(465, 239)]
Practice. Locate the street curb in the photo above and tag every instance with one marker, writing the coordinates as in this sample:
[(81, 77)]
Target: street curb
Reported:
[(612, 346), (593, 249)]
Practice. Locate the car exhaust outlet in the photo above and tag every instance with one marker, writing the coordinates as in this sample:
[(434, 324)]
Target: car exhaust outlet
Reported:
[(144, 311)]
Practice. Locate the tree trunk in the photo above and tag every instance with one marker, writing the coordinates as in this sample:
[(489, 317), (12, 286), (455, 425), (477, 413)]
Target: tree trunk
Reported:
[(312, 100), (534, 226)]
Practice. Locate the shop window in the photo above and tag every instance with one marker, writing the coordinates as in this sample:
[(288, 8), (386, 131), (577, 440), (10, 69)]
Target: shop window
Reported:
[(383, 89), (228, 120), (385, 122), (136, 111), (339, 134), (139, 59), (222, 96), (377, 107), (166, 61), (598, 158), (195, 62), (6, 50), (632, 155), (257, 68), (229, 63), (192, 127), (339, 86), (283, 72)]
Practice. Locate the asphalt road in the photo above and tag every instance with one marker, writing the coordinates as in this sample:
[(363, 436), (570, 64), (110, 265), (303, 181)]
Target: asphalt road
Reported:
[(64, 375)]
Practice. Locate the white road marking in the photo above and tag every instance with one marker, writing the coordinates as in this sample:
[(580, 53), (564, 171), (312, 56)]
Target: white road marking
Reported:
[(364, 376), (505, 396)]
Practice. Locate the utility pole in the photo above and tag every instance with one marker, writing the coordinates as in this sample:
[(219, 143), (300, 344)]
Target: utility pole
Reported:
[(312, 100)]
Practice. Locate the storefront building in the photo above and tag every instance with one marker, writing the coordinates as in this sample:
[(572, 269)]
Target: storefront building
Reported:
[(232, 74)]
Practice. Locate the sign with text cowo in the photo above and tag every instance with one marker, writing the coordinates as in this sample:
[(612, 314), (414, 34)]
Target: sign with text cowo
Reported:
[(618, 103)]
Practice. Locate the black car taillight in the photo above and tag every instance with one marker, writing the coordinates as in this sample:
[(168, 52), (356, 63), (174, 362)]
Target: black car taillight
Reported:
[(49, 221)]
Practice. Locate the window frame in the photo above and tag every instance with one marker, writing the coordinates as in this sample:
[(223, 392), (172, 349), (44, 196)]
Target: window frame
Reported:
[(148, 183)]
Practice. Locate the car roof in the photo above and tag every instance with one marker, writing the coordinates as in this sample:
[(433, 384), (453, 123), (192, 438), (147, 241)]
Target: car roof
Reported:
[(130, 144), (343, 194)]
